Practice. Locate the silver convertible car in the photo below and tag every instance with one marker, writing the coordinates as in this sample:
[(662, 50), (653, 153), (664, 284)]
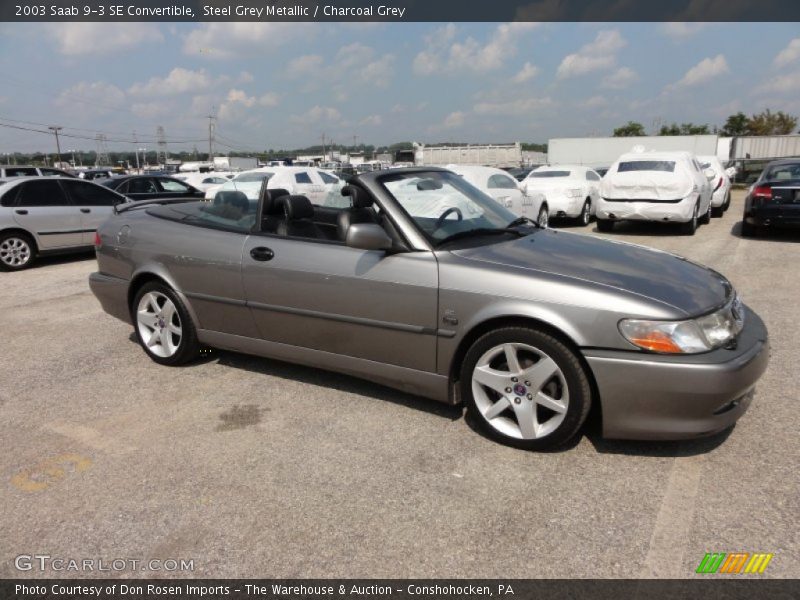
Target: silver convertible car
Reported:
[(416, 280)]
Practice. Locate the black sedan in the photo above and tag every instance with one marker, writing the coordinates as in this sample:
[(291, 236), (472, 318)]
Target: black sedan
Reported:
[(774, 199), (149, 187)]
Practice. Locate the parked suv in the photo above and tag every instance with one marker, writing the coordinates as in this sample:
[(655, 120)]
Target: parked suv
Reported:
[(8, 171), (49, 215)]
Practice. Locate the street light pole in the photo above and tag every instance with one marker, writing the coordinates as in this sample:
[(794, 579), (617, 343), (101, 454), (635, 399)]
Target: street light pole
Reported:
[(55, 129)]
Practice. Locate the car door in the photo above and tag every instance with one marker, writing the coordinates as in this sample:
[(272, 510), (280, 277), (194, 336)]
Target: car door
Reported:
[(505, 189), (326, 296), (43, 208), (141, 188), (310, 185), (95, 203)]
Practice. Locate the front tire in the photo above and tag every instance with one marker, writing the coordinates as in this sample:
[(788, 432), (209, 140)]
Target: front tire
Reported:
[(586, 213), (163, 325), (543, 219), (17, 251), (525, 388)]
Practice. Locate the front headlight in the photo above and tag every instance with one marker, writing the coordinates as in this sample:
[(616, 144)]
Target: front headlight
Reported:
[(686, 337)]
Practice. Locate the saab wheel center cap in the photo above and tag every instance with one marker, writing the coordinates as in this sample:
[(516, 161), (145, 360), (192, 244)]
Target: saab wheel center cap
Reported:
[(520, 390)]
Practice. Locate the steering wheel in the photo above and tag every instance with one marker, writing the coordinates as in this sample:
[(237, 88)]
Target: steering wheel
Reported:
[(445, 214)]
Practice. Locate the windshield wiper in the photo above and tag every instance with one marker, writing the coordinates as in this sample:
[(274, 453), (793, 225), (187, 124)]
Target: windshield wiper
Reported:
[(479, 231), (523, 221)]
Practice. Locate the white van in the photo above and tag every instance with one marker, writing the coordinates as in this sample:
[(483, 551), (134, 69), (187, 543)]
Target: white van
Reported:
[(656, 186)]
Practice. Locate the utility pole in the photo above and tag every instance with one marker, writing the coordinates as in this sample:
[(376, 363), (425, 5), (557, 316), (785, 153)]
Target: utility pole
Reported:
[(55, 129), (211, 129), (323, 145), (136, 141)]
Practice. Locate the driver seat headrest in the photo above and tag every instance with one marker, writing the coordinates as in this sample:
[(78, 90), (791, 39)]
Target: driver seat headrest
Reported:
[(297, 207), (358, 197)]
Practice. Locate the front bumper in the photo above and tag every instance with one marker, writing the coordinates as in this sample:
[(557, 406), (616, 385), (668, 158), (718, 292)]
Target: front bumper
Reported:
[(649, 397), (112, 292), (646, 210)]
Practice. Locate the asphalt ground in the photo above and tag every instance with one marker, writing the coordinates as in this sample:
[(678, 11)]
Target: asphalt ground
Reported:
[(257, 468)]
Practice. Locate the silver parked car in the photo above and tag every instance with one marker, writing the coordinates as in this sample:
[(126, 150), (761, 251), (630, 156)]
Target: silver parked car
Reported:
[(428, 285), (44, 215)]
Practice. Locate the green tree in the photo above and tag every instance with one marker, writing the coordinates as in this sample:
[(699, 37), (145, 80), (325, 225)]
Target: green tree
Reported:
[(736, 125), (769, 123), (684, 129), (631, 129)]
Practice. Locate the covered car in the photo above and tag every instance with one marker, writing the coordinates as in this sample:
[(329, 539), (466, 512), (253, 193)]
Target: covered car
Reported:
[(571, 190), (502, 187), (720, 185), (320, 187), (655, 186)]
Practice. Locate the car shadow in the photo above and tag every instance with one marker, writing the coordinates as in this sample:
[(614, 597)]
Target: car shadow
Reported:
[(774, 234), (643, 228), (49, 260), (678, 448), (333, 381)]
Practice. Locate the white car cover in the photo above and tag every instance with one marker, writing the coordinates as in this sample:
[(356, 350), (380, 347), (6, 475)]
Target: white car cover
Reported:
[(644, 177)]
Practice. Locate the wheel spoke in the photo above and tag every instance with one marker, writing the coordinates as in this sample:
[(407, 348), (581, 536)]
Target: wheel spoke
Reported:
[(497, 408), (491, 378), (526, 419), (167, 311), (174, 329), (540, 373), (166, 341), (511, 358), (154, 338), (548, 402)]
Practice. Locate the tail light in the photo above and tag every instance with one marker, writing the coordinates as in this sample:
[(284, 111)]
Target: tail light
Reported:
[(97, 241), (763, 191), (719, 184)]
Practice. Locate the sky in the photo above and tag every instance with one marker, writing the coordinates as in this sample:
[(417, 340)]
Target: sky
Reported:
[(284, 85)]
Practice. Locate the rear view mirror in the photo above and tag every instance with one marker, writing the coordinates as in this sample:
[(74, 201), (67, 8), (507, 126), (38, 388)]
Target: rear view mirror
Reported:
[(425, 185), (368, 236)]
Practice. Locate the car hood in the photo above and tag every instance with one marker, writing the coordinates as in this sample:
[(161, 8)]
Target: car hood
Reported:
[(668, 279)]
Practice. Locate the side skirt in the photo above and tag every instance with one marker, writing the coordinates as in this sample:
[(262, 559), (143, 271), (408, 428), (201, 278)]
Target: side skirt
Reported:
[(419, 383)]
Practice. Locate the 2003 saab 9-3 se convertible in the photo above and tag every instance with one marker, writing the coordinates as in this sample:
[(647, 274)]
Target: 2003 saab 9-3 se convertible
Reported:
[(415, 279)]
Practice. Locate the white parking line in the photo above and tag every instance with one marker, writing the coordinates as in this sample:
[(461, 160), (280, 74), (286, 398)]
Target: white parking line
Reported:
[(674, 521)]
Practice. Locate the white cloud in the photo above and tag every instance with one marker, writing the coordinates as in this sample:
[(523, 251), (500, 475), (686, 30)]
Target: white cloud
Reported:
[(178, 81), (151, 110), (517, 107), (245, 77), (269, 99), (594, 102), (706, 69), (101, 96), (79, 39), (454, 119), (302, 66), (373, 120), (318, 113), (788, 55), (226, 40), (597, 55), (619, 79), (679, 30), (443, 53), (781, 84), (526, 73)]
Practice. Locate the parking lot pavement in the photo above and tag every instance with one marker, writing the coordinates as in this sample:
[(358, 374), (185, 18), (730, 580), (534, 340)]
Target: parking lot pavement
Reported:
[(253, 467)]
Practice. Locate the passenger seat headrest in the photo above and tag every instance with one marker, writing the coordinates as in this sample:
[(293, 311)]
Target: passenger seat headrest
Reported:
[(358, 197), (233, 198), (269, 199), (297, 207)]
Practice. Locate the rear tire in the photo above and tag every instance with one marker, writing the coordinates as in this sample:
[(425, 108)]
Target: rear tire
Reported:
[(586, 213), (525, 388), (163, 325), (717, 211), (749, 230), (543, 219), (706, 218), (17, 251), (690, 227), (605, 225)]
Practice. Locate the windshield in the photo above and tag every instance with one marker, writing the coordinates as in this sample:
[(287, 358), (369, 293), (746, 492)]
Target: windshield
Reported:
[(548, 174), (667, 166), (441, 203)]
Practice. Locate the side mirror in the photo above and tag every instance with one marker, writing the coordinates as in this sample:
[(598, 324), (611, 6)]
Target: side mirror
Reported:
[(710, 174), (368, 236)]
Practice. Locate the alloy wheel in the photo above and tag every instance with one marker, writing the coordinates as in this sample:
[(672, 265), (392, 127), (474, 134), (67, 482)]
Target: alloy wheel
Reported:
[(15, 252), (544, 217), (586, 214), (159, 324), (520, 391)]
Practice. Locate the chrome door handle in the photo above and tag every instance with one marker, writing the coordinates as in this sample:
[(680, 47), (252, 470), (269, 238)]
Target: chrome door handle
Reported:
[(86, 210), (21, 212), (262, 254)]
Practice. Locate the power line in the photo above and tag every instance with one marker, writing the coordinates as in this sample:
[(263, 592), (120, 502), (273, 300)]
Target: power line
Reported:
[(84, 137)]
